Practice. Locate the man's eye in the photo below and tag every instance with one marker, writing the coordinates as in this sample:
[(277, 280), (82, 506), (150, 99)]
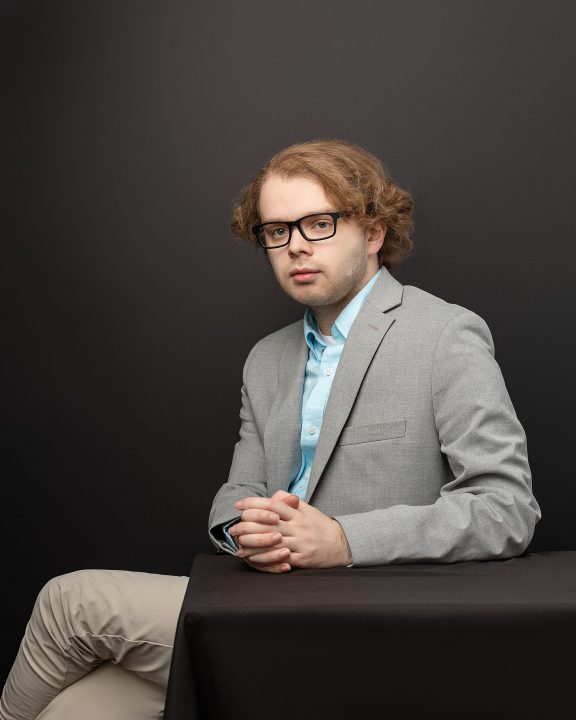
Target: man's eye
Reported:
[(279, 232), (322, 224)]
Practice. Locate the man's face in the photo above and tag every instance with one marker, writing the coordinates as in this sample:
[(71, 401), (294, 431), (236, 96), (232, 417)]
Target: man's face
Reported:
[(342, 264)]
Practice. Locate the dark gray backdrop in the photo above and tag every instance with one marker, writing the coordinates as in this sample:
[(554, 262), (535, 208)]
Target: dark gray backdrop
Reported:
[(128, 308)]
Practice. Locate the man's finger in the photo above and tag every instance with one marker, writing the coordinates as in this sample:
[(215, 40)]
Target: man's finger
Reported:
[(271, 556), (249, 552), (259, 540), (242, 528), (284, 511), (270, 567), (286, 497), (261, 516)]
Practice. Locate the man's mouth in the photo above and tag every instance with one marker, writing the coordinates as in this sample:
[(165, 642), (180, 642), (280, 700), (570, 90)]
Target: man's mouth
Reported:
[(303, 271), (304, 274)]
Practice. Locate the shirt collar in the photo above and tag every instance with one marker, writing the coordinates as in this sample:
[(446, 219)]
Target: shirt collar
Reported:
[(342, 324)]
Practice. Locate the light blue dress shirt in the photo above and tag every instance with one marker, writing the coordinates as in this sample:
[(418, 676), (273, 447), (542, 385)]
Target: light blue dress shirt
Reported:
[(323, 357)]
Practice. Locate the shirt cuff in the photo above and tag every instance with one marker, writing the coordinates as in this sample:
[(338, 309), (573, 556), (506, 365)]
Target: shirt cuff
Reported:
[(228, 537)]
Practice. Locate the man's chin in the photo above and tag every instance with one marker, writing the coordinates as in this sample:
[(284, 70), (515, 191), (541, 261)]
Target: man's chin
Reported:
[(309, 296), (300, 297)]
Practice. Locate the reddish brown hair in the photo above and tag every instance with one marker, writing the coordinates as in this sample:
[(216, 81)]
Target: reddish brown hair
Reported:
[(352, 178)]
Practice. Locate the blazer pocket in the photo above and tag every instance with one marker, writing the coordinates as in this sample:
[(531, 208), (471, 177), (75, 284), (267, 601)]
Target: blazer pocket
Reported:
[(373, 432)]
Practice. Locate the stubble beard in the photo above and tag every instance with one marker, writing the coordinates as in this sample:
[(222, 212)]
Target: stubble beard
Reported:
[(344, 284)]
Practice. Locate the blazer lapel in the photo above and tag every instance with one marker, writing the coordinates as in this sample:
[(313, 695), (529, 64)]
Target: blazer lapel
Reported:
[(366, 334)]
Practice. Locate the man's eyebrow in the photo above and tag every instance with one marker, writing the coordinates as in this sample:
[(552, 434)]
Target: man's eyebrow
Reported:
[(311, 212)]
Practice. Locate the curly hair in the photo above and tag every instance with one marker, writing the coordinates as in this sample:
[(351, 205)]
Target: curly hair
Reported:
[(351, 177)]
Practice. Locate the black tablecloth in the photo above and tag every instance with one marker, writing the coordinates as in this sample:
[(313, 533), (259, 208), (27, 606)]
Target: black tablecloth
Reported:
[(492, 639)]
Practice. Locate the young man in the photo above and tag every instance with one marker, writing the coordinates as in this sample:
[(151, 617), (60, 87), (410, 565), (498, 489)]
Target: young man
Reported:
[(421, 456), (376, 430)]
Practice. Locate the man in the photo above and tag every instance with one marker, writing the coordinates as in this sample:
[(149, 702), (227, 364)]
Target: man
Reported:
[(421, 456), (376, 430)]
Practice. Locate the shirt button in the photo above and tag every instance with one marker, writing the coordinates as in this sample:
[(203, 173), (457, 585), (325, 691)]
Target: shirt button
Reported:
[(328, 371), (312, 430)]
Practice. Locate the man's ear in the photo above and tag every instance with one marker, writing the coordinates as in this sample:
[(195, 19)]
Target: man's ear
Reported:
[(375, 234)]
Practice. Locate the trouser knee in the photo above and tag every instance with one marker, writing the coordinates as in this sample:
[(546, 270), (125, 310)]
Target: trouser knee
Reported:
[(57, 594), (68, 606)]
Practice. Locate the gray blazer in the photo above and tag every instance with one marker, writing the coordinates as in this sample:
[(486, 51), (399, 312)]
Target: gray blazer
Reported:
[(421, 456)]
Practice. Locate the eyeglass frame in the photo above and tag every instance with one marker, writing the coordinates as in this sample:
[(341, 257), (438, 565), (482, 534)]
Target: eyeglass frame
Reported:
[(296, 223)]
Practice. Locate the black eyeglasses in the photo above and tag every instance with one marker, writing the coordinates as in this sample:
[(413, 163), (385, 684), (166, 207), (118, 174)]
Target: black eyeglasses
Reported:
[(319, 226)]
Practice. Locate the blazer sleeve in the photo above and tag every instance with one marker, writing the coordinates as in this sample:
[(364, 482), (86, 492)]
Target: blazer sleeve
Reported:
[(247, 475), (487, 511)]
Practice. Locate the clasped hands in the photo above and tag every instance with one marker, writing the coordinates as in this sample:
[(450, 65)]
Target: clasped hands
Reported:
[(282, 531)]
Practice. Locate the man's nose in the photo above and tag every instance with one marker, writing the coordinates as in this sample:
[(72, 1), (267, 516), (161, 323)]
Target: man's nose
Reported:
[(298, 242)]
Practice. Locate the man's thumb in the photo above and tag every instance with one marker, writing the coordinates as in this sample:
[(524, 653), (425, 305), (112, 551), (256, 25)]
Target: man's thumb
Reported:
[(288, 498)]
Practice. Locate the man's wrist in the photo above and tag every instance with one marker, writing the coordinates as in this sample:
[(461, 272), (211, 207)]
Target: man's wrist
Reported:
[(345, 553)]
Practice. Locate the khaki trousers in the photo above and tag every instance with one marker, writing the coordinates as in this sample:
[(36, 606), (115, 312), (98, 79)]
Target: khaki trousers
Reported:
[(98, 646)]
